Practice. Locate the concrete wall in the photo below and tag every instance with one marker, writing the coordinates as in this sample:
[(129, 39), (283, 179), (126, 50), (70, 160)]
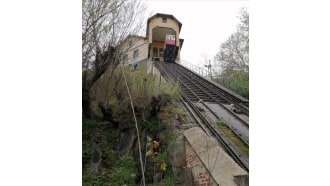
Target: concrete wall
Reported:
[(206, 154), (157, 74), (200, 173)]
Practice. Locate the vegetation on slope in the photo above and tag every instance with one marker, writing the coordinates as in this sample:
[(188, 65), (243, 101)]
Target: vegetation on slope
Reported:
[(240, 144), (113, 104)]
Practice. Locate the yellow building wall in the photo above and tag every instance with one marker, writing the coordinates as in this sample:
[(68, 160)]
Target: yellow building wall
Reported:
[(157, 21), (157, 45)]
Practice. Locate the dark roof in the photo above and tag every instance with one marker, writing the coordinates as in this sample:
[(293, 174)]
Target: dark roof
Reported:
[(137, 36), (163, 15), (181, 43), (131, 36)]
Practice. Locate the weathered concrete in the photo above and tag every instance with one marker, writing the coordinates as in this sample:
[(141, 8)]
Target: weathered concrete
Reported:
[(231, 120), (177, 153), (242, 180), (221, 166), (200, 174)]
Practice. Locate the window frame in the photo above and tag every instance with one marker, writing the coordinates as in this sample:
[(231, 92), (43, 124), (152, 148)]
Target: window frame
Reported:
[(136, 54), (164, 20), (130, 43), (161, 52), (155, 54)]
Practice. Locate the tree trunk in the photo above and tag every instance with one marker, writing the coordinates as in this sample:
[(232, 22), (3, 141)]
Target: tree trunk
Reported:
[(86, 101)]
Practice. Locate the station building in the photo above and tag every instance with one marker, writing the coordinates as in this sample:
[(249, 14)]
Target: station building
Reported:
[(137, 49)]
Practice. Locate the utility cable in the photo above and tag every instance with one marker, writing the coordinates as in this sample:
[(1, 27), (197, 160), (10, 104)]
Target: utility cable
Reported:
[(136, 126)]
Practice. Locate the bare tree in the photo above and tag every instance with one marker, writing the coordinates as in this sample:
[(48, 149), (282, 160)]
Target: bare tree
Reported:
[(233, 58), (105, 23), (234, 53)]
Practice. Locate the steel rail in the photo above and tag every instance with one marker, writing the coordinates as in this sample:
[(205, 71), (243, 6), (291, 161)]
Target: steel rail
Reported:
[(229, 96), (204, 88), (213, 113), (231, 149)]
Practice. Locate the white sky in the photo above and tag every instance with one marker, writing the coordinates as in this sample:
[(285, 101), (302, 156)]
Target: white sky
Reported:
[(298, 31), (205, 24)]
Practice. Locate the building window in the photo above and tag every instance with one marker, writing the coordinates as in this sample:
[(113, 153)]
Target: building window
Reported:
[(164, 20), (161, 52), (155, 52), (135, 66), (125, 58), (130, 43), (136, 54)]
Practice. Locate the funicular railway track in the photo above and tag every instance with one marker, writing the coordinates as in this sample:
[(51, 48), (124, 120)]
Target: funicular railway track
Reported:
[(208, 91), (195, 90), (191, 94), (220, 94)]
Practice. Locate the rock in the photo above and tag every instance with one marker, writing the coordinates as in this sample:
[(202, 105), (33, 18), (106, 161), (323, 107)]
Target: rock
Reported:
[(126, 125), (96, 112), (96, 160), (185, 178), (163, 115), (143, 140), (104, 123), (157, 177), (177, 153), (176, 132), (186, 126), (126, 141), (162, 136), (174, 116), (172, 124)]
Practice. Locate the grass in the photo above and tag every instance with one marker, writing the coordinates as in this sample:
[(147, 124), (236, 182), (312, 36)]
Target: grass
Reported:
[(124, 173), (238, 142), (155, 125), (177, 110), (144, 86), (174, 109)]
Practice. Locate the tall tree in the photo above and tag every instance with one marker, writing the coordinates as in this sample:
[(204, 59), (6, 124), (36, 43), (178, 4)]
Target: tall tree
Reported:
[(105, 23), (234, 52), (233, 57)]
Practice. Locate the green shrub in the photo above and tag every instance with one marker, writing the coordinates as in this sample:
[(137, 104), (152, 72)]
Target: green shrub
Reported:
[(221, 122), (125, 172), (144, 86), (155, 125), (172, 108), (96, 180)]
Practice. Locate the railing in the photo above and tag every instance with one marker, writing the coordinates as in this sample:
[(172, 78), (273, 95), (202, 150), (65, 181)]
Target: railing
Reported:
[(200, 70)]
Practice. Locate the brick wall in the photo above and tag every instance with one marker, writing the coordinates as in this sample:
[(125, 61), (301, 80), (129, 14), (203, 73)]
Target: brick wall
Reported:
[(200, 173)]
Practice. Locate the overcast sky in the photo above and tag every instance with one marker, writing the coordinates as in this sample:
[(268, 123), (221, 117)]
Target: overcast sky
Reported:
[(205, 24)]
